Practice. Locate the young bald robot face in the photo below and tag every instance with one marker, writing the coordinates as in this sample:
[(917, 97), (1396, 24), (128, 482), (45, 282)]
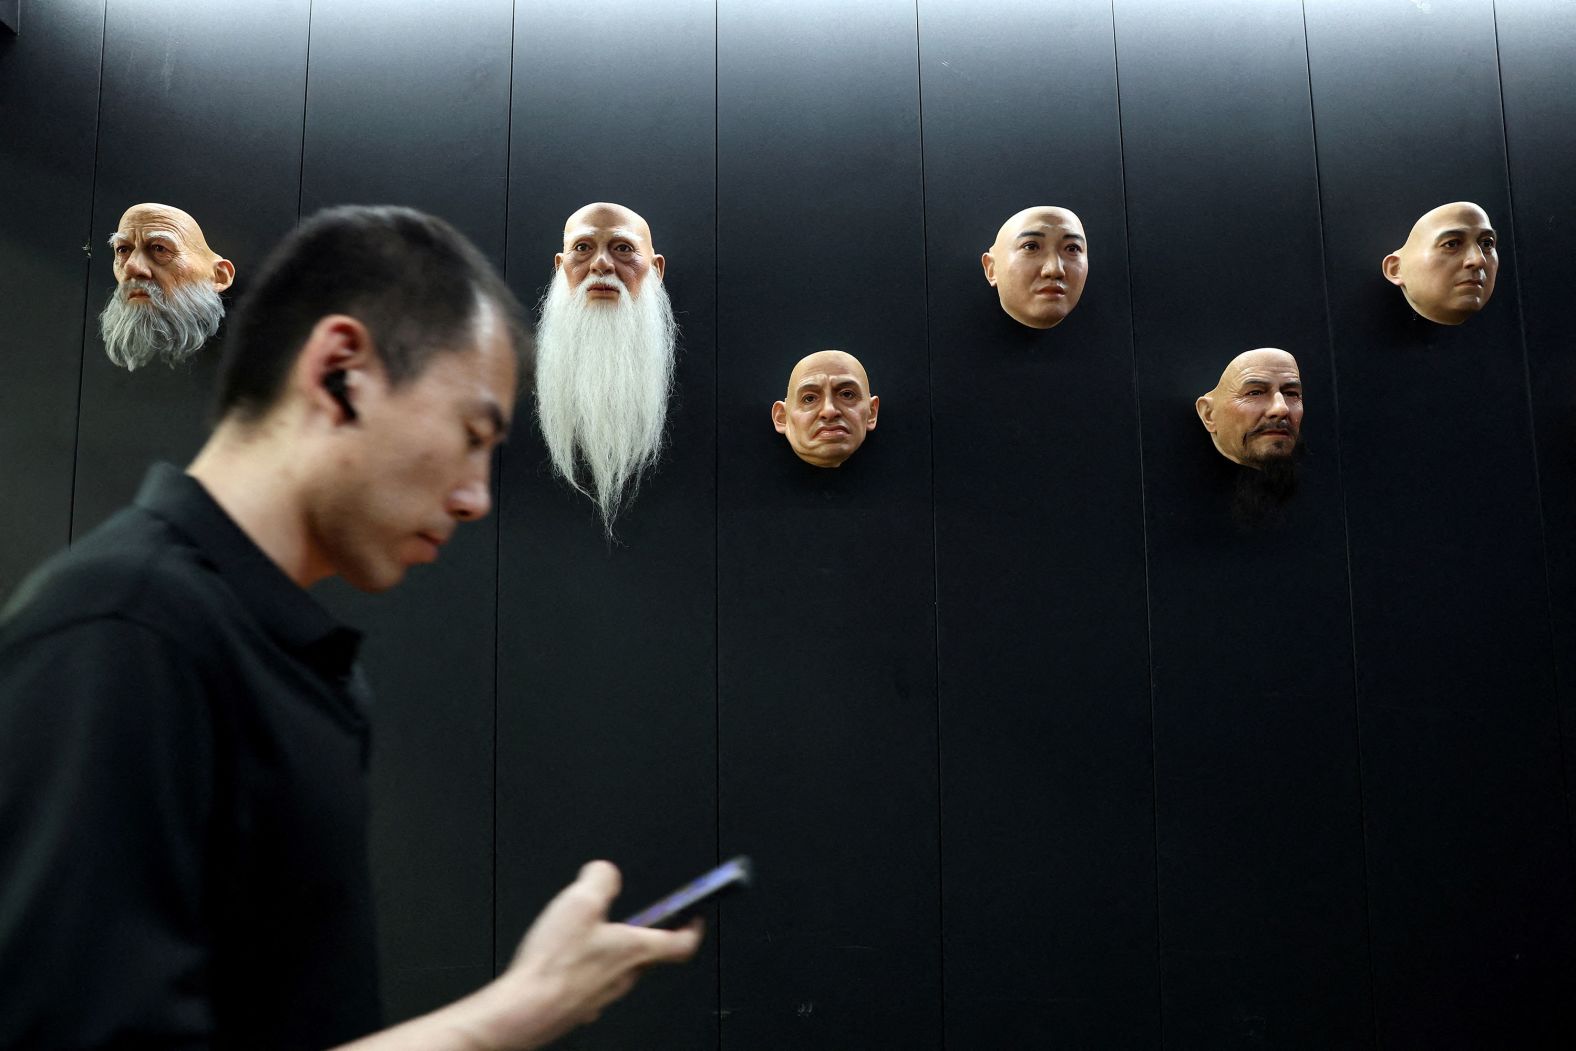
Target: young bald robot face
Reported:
[(1038, 265), (1254, 414), (828, 410), (1447, 267), (166, 301)]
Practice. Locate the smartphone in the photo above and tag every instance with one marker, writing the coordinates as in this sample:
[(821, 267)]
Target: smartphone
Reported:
[(730, 875)]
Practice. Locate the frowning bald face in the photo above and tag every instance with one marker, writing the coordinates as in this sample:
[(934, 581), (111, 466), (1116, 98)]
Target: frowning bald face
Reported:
[(1447, 267), (1038, 265), (1254, 414), (828, 409)]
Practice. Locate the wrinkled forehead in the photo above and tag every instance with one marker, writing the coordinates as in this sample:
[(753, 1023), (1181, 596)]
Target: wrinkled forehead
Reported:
[(1046, 220), (1463, 216), (606, 221), (828, 367), (142, 221), (1261, 364)]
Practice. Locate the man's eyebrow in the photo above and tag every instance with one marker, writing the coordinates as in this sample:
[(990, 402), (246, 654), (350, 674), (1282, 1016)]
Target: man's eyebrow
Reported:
[(1031, 233), (118, 238), (1462, 232), (1070, 236), (617, 233), (499, 421)]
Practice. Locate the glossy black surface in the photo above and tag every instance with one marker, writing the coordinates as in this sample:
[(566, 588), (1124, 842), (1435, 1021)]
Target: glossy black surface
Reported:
[(1537, 40), (1047, 781), (826, 576), (410, 105), (1468, 840), (607, 711), (46, 180), (200, 109), (1262, 924), (1030, 745)]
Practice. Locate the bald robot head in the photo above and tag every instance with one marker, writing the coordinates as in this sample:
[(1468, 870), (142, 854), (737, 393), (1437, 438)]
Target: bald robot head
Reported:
[(607, 245), (1038, 265), (1447, 266), (605, 355), (166, 302), (1254, 414), (828, 409)]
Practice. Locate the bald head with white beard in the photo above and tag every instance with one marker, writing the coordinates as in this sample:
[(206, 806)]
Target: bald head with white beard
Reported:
[(166, 301), (605, 353)]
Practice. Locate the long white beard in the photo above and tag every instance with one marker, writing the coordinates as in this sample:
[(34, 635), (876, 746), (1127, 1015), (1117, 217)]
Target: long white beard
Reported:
[(604, 372), (172, 327)]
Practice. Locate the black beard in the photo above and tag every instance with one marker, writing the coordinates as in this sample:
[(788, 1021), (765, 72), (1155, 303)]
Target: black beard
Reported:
[(1264, 490)]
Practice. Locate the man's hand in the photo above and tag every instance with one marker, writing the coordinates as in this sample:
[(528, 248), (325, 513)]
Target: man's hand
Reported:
[(570, 965), (573, 962)]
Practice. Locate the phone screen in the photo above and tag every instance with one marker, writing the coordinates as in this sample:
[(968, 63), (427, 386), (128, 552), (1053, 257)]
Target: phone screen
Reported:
[(733, 873)]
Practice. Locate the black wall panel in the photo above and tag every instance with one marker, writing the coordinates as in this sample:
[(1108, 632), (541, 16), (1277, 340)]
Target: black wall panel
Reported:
[(826, 585), (1047, 816), (1537, 65), (1468, 844), (1262, 926), (201, 109), (1032, 745), (49, 92), (409, 104), (607, 716)]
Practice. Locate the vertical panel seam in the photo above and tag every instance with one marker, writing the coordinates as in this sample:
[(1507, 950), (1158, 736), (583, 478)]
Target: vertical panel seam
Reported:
[(1537, 467), (935, 543), (716, 465), (87, 279), (1340, 476), (1143, 501), (508, 160), (306, 92)]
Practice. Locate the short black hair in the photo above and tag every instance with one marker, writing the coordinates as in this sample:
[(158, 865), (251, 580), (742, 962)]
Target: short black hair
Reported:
[(411, 278)]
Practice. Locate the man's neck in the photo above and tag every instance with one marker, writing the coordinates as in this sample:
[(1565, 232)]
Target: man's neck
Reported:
[(258, 483)]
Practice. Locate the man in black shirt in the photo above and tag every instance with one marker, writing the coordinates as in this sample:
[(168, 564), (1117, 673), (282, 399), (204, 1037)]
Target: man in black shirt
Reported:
[(183, 735)]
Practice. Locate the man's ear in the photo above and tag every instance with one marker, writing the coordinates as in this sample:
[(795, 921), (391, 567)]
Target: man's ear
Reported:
[(780, 416), (875, 404), (988, 261), (223, 275), (1392, 269), (1205, 406), (338, 343), (660, 265), (558, 260)]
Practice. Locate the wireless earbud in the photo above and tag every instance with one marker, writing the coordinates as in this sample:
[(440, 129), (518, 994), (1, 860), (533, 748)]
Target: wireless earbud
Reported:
[(334, 383)]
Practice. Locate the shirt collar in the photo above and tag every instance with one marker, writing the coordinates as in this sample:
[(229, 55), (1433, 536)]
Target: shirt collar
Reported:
[(289, 615)]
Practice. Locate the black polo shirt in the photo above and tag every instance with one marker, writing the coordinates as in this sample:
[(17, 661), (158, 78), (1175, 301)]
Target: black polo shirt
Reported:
[(183, 801)]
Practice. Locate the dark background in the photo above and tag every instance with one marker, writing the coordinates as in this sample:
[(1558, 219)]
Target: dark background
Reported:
[(1032, 746)]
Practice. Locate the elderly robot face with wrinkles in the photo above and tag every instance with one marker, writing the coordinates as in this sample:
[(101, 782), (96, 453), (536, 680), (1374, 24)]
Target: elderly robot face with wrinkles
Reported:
[(166, 301)]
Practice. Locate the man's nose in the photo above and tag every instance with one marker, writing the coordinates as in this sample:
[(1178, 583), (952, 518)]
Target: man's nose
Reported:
[(136, 265), (1475, 258), (472, 500), (1052, 267), (602, 263), (1278, 405), (829, 408)]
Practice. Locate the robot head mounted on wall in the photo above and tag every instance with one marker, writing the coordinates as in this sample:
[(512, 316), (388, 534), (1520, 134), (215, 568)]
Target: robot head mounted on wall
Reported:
[(828, 409), (605, 353), (1038, 265), (1254, 414), (166, 301), (1447, 266)]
